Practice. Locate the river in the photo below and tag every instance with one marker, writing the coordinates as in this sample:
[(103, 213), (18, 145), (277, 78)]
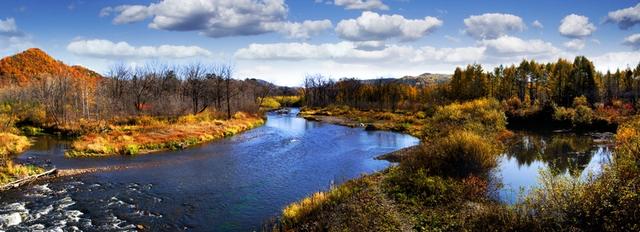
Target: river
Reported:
[(234, 184), (569, 154)]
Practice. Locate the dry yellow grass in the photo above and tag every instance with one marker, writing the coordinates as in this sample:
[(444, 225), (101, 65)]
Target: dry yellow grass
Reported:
[(12, 144), (153, 135)]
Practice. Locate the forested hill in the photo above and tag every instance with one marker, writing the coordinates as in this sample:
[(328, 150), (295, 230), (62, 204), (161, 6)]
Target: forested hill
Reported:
[(420, 80), (33, 63)]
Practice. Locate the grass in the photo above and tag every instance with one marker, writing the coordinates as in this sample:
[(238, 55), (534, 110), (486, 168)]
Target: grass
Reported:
[(11, 144), (10, 171), (406, 122), (147, 134)]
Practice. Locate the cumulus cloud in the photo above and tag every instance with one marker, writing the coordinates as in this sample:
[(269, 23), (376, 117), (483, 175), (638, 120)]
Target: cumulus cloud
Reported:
[(575, 44), (537, 24), (625, 18), (11, 38), (8, 28), (361, 4), (302, 30), (616, 60), (101, 48), (492, 25), (371, 26), (126, 13), (633, 41), (217, 18), (576, 26), (513, 46), (490, 51), (350, 52)]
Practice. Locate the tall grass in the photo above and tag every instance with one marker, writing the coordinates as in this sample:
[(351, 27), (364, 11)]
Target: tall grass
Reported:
[(149, 134), (12, 144)]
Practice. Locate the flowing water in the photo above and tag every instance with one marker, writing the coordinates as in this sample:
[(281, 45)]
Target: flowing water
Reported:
[(234, 184), (577, 155)]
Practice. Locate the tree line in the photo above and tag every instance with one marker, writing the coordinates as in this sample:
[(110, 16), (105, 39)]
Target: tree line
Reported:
[(153, 90), (529, 82)]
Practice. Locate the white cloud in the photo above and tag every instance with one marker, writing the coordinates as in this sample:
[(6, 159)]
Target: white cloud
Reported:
[(217, 18), (452, 39), (513, 46), (100, 48), (350, 52), (576, 26), (373, 26), (8, 27), (361, 4), (127, 13), (302, 30), (492, 25), (12, 39), (537, 24), (633, 41), (575, 44), (625, 18), (616, 60)]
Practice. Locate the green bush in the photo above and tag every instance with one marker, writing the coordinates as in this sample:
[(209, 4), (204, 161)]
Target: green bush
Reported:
[(483, 116), (131, 149), (583, 115), (460, 154)]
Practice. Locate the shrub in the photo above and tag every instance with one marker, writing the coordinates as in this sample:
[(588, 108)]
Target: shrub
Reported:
[(460, 154), (131, 149), (483, 116), (564, 114), (583, 115), (270, 103)]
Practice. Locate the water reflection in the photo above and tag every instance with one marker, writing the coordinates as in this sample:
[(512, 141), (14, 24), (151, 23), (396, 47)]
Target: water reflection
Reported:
[(560, 153)]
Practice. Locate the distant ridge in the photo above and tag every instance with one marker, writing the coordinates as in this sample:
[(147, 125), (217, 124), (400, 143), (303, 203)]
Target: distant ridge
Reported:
[(33, 63), (420, 80)]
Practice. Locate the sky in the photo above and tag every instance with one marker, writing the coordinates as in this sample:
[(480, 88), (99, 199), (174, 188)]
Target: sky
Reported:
[(283, 41)]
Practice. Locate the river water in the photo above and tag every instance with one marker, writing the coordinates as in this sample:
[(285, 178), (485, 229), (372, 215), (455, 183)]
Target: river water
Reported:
[(234, 184), (569, 154)]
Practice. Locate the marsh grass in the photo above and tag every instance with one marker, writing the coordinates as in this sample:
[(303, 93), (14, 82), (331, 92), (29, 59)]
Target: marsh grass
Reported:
[(11, 144), (407, 122), (148, 134), (10, 171)]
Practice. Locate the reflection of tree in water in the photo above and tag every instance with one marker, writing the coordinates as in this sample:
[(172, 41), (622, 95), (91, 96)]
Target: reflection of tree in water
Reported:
[(561, 152)]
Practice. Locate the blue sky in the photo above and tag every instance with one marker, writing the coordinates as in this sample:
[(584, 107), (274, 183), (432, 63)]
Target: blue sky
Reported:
[(282, 41)]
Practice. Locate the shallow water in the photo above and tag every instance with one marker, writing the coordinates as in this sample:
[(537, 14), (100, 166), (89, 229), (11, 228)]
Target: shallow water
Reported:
[(577, 155), (234, 184)]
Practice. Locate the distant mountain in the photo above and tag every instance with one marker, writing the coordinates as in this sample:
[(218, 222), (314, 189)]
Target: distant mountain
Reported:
[(32, 64), (276, 89), (420, 80)]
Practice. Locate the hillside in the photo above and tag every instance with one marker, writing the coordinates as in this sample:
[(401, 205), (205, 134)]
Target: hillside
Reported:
[(31, 64), (420, 80)]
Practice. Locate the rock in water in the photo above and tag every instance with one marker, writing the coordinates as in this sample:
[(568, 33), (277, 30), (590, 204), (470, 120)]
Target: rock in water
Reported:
[(11, 219)]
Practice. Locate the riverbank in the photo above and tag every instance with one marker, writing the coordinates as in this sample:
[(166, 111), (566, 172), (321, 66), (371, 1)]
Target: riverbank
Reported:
[(406, 122), (154, 135), (12, 144), (443, 185)]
